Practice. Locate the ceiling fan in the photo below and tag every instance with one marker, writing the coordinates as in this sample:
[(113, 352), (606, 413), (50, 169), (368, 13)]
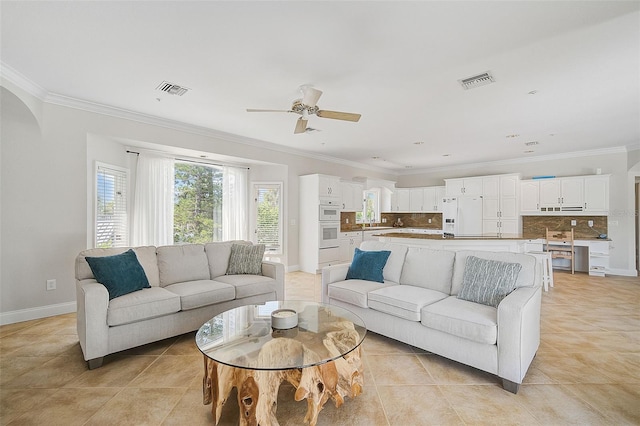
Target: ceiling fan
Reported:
[(307, 106)]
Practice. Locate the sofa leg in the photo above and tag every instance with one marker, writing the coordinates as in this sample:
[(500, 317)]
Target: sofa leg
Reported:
[(95, 363), (510, 386)]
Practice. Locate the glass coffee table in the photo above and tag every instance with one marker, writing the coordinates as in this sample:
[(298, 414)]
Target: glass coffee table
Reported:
[(320, 357)]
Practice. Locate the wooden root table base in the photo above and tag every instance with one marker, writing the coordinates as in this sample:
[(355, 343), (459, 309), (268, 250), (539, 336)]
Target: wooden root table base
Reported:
[(258, 389)]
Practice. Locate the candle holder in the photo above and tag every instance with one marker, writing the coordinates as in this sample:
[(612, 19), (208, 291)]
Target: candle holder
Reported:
[(283, 319)]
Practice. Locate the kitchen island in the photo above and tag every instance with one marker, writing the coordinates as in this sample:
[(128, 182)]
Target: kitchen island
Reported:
[(592, 254)]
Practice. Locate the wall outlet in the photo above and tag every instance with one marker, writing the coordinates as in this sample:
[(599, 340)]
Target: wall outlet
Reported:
[(51, 285), (346, 220), (590, 223), (573, 222), (429, 221)]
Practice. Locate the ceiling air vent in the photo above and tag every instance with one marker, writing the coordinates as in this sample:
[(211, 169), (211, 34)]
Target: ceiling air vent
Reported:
[(477, 81), (172, 89)]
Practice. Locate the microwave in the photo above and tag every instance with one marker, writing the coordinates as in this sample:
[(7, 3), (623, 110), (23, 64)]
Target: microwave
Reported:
[(329, 213)]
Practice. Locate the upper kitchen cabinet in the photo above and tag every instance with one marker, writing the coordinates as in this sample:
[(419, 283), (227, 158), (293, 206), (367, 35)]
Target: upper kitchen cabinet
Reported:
[(596, 194), (500, 208), (352, 196), (416, 199), (529, 196), (432, 198), (329, 187), (463, 186), (401, 200)]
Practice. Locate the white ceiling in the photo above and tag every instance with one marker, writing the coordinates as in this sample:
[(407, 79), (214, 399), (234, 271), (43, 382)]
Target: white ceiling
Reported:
[(396, 63)]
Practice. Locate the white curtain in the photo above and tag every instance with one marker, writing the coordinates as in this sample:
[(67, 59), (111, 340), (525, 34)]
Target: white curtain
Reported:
[(153, 201), (234, 204)]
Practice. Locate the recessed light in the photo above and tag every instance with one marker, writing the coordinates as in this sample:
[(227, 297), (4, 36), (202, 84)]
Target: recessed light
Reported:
[(375, 158), (203, 156), (531, 143), (446, 155), (418, 143), (529, 151), (533, 92), (408, 167), (515, 135)]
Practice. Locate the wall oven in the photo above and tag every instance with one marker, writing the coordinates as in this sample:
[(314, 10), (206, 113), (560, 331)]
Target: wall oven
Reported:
[(329, 232), (329, 213)]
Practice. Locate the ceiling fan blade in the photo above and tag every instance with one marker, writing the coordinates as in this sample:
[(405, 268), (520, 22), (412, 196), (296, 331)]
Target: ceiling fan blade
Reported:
[(337, 115), (301, 125), (311, 96), (267, 110)]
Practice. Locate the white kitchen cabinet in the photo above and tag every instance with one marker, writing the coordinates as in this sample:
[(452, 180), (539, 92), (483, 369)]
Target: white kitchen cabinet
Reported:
[(529, 196), (463, 186), (401, 200), (348, 243), (432, 198), (329, 186), (572, 193), (416, 199), (550, 194), (440, 193), (500, 208), (352, 196), (596, 194)]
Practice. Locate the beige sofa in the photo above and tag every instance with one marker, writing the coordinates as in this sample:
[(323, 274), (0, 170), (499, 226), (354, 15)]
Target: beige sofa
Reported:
[(417, 304), (189, 286)]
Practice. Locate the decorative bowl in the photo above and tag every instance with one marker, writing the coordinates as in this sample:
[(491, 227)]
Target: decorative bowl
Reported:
[(283, 319)]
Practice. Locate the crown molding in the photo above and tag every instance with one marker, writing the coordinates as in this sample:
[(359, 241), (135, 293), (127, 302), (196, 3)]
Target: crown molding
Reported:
[(536, 159), (22, 81)]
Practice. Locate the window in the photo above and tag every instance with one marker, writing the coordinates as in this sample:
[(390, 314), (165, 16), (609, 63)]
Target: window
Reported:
[(268, 216), (371, 212), (111, 228), (197, 216)]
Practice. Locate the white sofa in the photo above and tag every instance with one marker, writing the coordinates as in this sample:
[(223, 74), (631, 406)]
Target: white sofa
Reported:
[(189, 286), (417, 304)]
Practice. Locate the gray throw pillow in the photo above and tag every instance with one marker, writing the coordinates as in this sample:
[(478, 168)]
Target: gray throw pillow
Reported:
[(246, 259), (488, 281)]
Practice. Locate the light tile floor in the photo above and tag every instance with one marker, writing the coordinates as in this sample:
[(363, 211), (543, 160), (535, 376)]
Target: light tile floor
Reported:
[(587, 371)]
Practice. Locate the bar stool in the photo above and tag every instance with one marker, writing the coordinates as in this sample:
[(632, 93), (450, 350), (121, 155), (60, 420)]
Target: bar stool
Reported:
[(544, 258)]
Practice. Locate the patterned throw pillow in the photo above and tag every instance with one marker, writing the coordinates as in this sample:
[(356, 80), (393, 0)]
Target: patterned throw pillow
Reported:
[(121, 274), (368, 265), (488, 281), (246, 259)]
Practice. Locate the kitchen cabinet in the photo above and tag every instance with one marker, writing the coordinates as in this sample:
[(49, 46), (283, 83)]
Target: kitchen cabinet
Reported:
[(529, 196), (432, 198), (572, 193), (348, 243), (596, 194), (463, 186), (329, 186), (352, 196), (401, 200), (550, 194), (500, 207), (416, 199)]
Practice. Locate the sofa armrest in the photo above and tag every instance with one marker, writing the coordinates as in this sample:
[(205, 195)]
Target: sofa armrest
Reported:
[(332, 274), (91, 318), (275, 270), (518, 332)]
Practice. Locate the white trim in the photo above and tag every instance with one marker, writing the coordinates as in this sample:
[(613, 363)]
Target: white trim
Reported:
[(622, 272), (22, 81), (37, 313)]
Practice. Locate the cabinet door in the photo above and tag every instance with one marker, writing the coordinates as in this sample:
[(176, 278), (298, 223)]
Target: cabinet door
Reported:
[(572, 191), (509, 186), (403, 199), (344, 250), (508, 208), (329, 186), (596, 194), (509, 227), (416, 199), (529, 196), (490, 227), (491, 187), (346, 192), (490, 209), (472, 186), (549, 193), (454, 187), (440, 193)]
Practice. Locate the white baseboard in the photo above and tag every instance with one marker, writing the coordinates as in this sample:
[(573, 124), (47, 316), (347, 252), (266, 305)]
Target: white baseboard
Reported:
[(37, 313), (623, 272), (292, 268)]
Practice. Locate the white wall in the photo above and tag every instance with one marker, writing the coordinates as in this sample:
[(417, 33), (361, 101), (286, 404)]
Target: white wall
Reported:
[(46, 179)]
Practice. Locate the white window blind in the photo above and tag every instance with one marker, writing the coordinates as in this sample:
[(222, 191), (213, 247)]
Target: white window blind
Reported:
[(268, 207), (111, 207)]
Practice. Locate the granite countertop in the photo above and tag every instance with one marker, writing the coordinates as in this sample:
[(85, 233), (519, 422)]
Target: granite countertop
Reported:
[(475, 237)]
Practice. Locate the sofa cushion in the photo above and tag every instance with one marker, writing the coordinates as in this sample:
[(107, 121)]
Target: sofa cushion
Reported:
[(526, 277), (141, 305), (146, 256), (428, 268), (246, 259), (218, 254), (488, 281), (462, 318), (393, 267), (355, 291), (249, 285), (182, 263), (194, 294), (368, 265), (121, 273), (404, 301)]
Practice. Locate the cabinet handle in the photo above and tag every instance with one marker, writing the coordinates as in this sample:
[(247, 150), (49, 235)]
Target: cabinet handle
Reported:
[(585, 206)]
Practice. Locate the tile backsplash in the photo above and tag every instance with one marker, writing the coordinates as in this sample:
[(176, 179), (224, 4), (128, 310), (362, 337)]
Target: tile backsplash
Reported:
[(409, 220), (535, 226)]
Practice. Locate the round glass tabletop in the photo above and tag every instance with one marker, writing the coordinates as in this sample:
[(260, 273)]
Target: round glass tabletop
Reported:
[(244, 338)]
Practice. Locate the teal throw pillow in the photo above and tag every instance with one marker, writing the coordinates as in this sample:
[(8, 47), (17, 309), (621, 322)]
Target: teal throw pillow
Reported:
[(488, 281), (368, 265), (246, 259), (121, 274)]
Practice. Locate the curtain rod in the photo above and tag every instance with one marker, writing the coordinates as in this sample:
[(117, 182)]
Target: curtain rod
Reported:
[(189, 160)]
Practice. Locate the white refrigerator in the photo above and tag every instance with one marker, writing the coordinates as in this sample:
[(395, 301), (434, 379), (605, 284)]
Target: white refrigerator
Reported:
[(462, 216)]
